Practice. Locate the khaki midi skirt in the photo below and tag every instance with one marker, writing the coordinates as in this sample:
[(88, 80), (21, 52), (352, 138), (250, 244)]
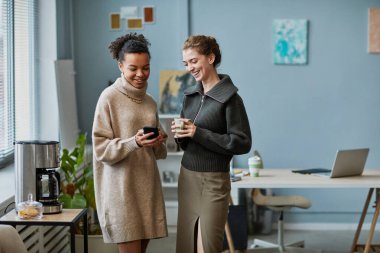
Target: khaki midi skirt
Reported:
[(204, 196)]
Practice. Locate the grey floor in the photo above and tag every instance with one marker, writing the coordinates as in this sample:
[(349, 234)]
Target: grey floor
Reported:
[(328, 241)]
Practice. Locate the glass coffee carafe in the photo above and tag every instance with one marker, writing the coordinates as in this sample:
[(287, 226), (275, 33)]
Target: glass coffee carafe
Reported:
[(47, 187)]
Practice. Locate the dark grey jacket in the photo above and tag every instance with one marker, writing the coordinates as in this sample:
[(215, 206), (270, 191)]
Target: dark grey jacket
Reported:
[(222, 127)]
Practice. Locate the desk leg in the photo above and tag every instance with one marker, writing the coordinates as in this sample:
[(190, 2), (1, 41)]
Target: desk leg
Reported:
[(85, 232), (362, 217), (373, 224), (72, 238)]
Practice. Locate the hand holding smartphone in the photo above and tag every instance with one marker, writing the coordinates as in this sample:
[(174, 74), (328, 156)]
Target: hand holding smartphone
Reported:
[(154, 130)]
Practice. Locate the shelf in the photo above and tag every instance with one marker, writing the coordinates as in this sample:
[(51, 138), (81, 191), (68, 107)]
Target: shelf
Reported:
[(171, 203), (170, 185), (168, 116), (179, 153)]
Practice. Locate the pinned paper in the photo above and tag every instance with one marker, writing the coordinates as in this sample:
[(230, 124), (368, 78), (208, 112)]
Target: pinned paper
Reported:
[(149, 15), (374, 30), (115, 23), (135, 23), (127, 12)]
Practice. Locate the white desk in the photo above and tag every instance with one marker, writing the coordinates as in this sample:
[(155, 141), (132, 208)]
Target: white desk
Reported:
[(285, 178)]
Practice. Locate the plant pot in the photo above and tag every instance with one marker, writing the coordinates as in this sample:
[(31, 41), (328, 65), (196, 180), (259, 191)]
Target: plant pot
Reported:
[(95, 244)]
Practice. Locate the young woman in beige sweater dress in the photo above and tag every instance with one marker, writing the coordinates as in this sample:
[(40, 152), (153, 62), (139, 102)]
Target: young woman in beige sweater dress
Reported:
[(128, 189)]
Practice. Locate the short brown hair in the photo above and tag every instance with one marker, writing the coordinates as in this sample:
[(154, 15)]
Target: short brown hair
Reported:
[(205, 45)]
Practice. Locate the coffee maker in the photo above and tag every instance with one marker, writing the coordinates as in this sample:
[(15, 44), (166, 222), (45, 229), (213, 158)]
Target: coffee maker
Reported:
[(36, 163)]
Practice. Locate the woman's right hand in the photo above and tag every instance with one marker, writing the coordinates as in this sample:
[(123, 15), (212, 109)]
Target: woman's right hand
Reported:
[(143, 141)]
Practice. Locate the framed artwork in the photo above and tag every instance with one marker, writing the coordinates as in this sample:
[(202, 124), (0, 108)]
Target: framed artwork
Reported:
[(134, 24), (148, 14), (374, 30), (290, 41), (115, 23), (172, 85)]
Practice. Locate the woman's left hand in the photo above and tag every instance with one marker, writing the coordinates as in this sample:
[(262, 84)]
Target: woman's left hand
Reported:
[(162, 136)]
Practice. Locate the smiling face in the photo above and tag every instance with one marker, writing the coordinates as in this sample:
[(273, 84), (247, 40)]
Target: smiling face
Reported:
[(200, 66), (136, 69)]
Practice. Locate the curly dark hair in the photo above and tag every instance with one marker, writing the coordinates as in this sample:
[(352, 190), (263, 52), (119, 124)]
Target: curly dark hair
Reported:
[(205, 45), (129, 43)]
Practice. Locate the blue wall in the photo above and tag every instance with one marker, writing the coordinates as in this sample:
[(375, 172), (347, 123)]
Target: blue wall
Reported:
[(299, 115)]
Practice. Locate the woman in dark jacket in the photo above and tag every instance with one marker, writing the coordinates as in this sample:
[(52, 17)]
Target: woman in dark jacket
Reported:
[(215, 127)]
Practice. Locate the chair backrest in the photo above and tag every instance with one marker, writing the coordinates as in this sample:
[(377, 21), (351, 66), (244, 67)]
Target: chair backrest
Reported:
[(10, 240)]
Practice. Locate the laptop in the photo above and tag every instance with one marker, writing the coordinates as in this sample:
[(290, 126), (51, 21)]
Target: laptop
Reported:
[(347, 163)]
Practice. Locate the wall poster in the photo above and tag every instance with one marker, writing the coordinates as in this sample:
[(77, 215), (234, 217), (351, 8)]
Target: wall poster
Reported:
[(172, 85), (374, 30), (290, 41)]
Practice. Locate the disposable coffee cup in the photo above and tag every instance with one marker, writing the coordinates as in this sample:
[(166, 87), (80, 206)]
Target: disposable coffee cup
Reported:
[(254, 165), (254, 172), (179, 125)]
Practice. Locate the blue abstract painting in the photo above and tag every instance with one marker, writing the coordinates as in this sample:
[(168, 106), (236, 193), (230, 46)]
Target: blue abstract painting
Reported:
[(290, 41)]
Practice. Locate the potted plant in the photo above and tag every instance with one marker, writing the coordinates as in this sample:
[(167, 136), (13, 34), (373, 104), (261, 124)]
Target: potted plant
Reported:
[(77, 184)]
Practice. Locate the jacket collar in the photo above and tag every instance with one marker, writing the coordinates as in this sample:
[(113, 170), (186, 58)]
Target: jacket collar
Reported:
[(221, 92)]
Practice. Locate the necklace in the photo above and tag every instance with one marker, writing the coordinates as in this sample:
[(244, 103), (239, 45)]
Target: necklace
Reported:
[(136, 100)]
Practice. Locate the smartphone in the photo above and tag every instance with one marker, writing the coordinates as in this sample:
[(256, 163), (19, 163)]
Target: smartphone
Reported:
[(151, 130)]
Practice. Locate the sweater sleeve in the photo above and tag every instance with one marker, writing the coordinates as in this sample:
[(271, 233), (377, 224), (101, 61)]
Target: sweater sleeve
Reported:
[(108, 148), (237, 139)]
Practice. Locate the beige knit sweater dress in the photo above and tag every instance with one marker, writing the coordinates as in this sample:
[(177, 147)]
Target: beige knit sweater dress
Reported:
[(128, 189)]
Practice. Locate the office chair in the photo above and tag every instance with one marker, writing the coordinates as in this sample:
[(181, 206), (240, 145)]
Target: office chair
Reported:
[(280, 204)]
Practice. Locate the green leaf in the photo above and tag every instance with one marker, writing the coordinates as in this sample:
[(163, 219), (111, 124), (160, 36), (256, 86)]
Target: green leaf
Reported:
[(88, 172), (90, 193), (80, 173), (65, 199), (78, 201)]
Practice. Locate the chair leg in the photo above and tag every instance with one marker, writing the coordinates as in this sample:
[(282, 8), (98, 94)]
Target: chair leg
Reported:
[(280, 233), (229, 238), (261, 243), (227, 230), (267, 247), (299, 244), (301, 250)]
